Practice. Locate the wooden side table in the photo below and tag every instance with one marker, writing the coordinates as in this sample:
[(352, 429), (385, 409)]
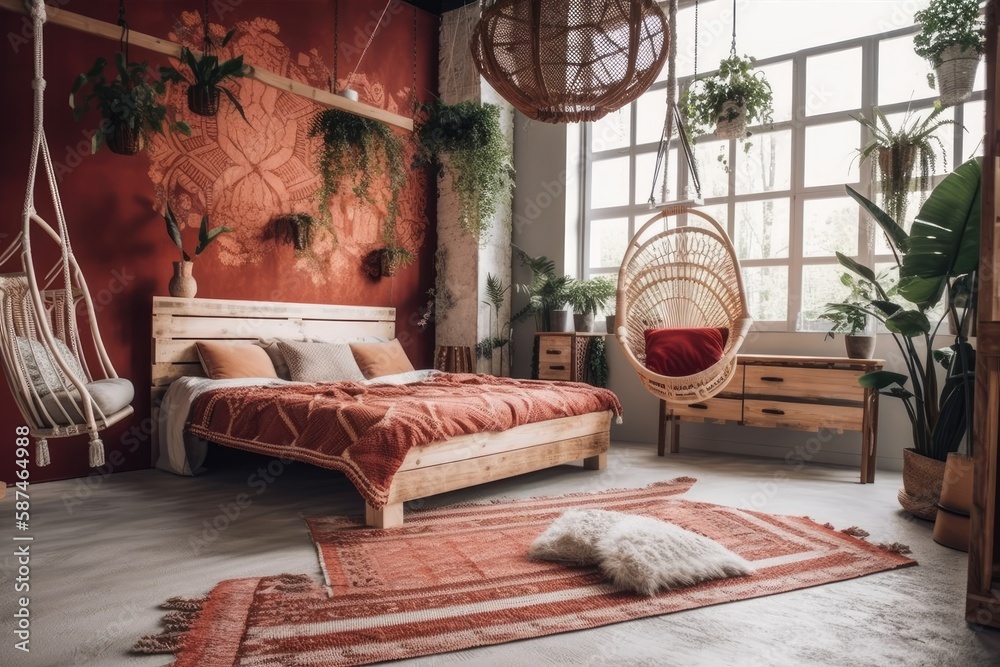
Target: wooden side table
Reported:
[(562, 355), (797, 393)]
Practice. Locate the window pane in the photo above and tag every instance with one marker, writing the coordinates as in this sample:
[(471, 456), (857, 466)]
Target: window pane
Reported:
[(762, 229), (831, 154), (829, 226), (644, 165), (779, 75), (974, 120), (718, 211), (820, 285), (608, 240), (902, 74), (609, 183), (833, 82), (767, 292), (714, 178), (766, 166), (612, 131), (650, 111)]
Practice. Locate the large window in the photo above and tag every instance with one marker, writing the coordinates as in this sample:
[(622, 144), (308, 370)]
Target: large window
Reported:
[(782, 200)]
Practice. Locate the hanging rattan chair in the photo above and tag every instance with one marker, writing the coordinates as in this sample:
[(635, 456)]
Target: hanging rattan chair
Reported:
[(678, 278)]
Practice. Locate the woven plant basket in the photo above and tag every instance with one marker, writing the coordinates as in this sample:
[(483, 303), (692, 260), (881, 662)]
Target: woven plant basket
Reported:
[(728, 126), (123, 140), (956, 75), (922, 480), (203, 100)]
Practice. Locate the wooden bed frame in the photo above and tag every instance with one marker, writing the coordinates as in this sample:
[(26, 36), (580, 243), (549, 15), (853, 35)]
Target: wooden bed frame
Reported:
[(452, 464)]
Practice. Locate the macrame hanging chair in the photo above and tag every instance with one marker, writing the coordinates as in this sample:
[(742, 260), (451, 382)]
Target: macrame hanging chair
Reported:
[(60, 389), (568, 61)]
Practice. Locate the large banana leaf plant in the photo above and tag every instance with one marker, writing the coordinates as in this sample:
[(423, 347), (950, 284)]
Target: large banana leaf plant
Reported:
[(937, 259)]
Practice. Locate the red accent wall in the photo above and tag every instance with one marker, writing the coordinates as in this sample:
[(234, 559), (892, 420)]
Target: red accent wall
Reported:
[(112, 202)]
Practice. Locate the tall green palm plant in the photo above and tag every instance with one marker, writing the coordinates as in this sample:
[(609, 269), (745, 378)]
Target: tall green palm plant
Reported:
[(546, 291)]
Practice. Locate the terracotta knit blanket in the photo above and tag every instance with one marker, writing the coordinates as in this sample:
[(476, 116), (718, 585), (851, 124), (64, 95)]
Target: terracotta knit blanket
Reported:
[(365, 431)]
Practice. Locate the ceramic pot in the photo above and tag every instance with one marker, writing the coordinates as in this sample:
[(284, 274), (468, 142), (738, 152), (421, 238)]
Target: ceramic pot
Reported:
[(956, 75), (610, 320), (922, 480), (183, 284), (956, 486), (583, 323), (859, 347), (952, 530), (559, 320), (123, 140), (203, 100)]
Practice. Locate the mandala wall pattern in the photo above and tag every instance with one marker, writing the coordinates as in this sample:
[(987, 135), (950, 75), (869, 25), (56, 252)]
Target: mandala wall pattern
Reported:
[(244, 174)]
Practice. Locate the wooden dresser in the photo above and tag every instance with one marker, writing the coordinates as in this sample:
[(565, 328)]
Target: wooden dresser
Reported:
[(798, 393), (561, 356)]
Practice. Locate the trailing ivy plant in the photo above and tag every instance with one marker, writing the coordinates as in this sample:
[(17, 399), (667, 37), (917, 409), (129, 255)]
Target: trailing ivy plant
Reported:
[(736, 81), (948, 23), (465, 141), (358, 149)]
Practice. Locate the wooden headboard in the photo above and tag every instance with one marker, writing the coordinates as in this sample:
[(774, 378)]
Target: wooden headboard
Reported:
[(179, 323)]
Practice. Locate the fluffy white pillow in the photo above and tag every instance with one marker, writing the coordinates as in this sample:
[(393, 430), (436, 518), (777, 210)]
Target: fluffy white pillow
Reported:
[(572, 538)]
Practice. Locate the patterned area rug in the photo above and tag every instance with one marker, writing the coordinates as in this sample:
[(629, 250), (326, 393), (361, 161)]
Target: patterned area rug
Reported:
[(457, 577)]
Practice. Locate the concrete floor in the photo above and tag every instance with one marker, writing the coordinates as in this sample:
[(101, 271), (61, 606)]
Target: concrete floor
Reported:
[(107, 551)]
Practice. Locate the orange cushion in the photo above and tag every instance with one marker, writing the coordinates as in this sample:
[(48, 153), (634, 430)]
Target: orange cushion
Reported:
[(680, 352), (223, 361), (378, 359)]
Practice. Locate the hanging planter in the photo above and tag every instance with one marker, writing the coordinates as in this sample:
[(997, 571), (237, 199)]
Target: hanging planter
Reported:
[(123, 140), (952, 39), (465, 141), (731, 121), (207, 74), (394, 257), (295, 228), (204, 100), (728, 101)]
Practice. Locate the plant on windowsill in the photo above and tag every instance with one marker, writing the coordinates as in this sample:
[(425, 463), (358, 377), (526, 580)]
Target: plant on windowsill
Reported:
[(728, 101), (183, 283), (896, 153), (465, 142), (357, 150), (129, 104), (952, 39), (547, 293), (846, 319), (588, 297), (207, 76), (938, 259)]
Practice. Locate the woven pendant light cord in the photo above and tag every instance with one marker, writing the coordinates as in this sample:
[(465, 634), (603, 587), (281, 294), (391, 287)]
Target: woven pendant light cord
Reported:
[(368, 44)]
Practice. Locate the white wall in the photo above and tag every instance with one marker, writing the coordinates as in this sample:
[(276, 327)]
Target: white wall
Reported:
[(546, 222)]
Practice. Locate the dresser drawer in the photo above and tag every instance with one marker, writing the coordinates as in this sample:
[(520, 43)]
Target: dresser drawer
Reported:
[(555, 350), (735, 385), (801, 416), (549, 370), (820, 383), (714, 409)]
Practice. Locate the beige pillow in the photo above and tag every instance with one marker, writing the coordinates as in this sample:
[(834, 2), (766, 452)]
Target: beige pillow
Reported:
[(378, 359), (320, 362), (270, 345), (223, 361)]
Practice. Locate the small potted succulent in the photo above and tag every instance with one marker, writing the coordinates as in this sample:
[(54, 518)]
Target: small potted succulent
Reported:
[(728, 100), (183, 284), (208, 74), (129, 104), (952, 39)]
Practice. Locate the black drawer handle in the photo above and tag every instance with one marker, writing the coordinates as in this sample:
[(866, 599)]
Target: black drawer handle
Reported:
[(557, 368), (771, 378), (553, 351), (772, 411), (698, 406)]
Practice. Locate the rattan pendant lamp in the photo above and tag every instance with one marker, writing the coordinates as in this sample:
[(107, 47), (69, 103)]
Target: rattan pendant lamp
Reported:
[(568, 61)]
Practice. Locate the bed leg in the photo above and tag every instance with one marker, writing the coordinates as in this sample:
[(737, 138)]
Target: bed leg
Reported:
[(390, 516), (599, 462)]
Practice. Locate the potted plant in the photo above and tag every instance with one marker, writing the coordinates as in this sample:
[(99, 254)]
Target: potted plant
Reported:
[(183, 283), (207, 76), (587, 297), (609, 321), (129, 104), (850, 321), (465, 142), (547, 293), (496, 293), (952, 39), (941, 250), (728, 100), (897, 152), (297, 229), (358, 150)]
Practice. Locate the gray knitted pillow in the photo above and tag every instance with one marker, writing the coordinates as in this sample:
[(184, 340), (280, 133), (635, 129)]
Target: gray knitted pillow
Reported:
[(320, 362)]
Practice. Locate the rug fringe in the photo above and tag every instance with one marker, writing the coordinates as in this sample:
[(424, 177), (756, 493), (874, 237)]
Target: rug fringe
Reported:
[(183, 604), (855, 531), (896, 548), (165, 642)]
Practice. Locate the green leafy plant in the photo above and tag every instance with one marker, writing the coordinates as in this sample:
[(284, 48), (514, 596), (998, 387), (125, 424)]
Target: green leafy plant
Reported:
[(466, 142), (359, 149), (394, 257), (596, 362), (896, 153), (496, 293), (208, 74), (736, 81), (948, 23), (590, 296), (129, 103), (844, 317), (939, 256), (205, 235), (546, 291)]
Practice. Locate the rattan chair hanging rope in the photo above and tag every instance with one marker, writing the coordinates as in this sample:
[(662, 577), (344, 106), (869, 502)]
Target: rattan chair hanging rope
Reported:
[(570, 61)]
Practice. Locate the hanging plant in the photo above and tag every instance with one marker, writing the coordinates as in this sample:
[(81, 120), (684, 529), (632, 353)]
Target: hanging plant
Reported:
[(466, 142), (358, 149), (952, 39), (729, 100), (297, 229), (897, 154), (207, 76), (129, 104), (394, 257)]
